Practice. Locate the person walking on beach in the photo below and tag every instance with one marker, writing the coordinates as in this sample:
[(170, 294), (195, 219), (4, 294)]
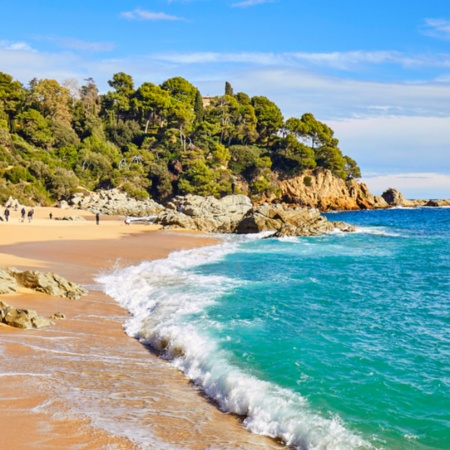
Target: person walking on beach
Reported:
[(7, 214), (97, 218), (22, 214), (30, 215)]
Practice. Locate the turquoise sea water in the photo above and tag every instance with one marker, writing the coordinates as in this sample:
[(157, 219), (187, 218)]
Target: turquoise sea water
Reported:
[(333, 342)]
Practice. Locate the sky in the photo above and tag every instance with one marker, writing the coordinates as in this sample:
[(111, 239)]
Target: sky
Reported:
[(377, 72)]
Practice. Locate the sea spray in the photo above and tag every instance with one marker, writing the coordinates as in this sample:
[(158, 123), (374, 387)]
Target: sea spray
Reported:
[(168, 300)]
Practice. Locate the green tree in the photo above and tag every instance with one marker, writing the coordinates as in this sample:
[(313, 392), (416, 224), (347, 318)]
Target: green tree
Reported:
[(118, 101), (199, 109), (269, 117), (51, 100), (351, 168), (12, 97), (181, 90), (228, 89), (35, 128), (152, 104)]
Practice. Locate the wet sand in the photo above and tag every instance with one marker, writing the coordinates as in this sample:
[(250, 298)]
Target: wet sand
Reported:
[(83, 383)]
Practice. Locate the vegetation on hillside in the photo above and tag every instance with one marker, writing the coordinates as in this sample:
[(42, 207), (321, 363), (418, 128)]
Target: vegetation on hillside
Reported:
[(152, 140)]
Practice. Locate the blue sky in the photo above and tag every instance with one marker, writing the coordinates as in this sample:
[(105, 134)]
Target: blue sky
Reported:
[(377, 72)]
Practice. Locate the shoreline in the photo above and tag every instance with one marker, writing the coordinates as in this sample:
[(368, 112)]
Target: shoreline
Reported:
[(83, 383)]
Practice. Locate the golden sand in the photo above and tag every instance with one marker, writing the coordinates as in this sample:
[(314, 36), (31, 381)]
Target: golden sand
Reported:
[(83, 383)]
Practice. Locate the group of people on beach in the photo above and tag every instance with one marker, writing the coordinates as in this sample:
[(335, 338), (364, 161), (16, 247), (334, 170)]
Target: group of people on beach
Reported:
[(23, 212)]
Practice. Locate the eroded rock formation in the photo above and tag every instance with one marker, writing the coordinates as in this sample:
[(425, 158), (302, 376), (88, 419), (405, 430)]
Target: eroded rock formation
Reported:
[(48, 283), (206, 213), (320, 189), (24, 318), (113, 202), (235, 214)]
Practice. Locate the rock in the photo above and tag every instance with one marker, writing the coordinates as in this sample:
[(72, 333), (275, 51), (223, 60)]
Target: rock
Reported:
[(58, 316), (41, 322), (414, 203), (114, 202), (205, 213), (235, 214), (48, 283), (320, 189), (170, 218), (345, 227), (22, 318), (284, 221), (8, 283), (72, 218), (438, 203), (393, 197), (18, 318)]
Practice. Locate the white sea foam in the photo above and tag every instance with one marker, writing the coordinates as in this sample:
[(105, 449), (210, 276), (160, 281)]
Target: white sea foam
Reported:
[(162, 296), (377, 231)]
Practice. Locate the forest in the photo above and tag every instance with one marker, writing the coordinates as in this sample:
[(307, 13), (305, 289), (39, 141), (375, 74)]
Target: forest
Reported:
[(153, 141)]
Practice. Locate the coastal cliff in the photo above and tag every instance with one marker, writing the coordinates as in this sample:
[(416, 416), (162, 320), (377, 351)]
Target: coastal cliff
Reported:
[(320, 189)]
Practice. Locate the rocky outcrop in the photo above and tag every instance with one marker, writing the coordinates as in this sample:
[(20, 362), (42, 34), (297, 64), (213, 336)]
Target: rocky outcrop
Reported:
[(285, 221), (71, 218), (235, 214), (205, 213), (320, 189), (393, 197), (113, 202), (24, 318), (438, 203), (48, 283)]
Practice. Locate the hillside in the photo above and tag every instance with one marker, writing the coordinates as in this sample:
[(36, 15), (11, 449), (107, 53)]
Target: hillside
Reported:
[(153, 141)]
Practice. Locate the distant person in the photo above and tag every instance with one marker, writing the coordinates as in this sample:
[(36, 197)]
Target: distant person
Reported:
[(233, 185), (51, 216), (7, 214), (22, 214), (97, 218), (30, 215)]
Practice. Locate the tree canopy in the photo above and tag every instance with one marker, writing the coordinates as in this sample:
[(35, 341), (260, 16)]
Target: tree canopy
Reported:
[(152, 140)]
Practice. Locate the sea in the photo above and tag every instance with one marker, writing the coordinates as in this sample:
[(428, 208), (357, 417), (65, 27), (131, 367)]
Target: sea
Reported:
[(334, 342)]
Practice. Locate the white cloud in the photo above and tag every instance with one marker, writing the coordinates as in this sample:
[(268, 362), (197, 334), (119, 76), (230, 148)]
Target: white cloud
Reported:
[(414, 185), (437, 28), (77, 44), (396, 144), (247, 3), (337, 60), (140, 14), (15, 46), (221, 58)]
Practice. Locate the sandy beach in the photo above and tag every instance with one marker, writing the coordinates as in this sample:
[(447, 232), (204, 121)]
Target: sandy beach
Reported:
[(83, 383)]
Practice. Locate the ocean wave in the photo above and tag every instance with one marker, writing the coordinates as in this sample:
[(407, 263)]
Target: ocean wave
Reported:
[(168, 301), (377, 231)]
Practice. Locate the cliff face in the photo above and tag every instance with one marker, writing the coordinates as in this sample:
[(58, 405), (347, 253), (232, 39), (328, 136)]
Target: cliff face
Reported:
[(319, 188)]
